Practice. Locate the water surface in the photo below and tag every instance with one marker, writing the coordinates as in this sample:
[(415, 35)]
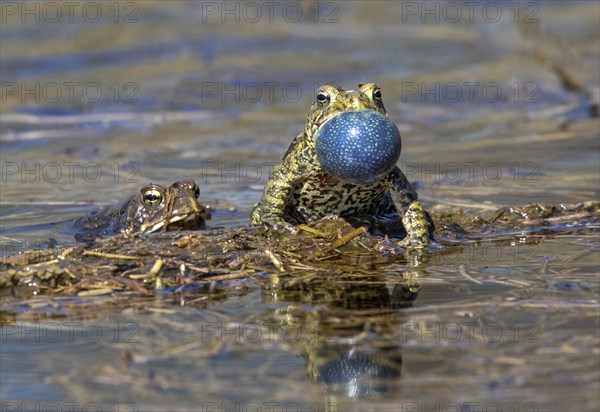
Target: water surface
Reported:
[(492, 113)]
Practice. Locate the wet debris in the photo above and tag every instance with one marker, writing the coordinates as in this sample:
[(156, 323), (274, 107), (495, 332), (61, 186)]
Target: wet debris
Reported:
[(144, 264)]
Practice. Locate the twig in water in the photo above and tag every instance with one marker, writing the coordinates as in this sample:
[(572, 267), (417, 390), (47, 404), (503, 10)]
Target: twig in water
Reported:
[(108, 255), (463, 271), (340, 242)]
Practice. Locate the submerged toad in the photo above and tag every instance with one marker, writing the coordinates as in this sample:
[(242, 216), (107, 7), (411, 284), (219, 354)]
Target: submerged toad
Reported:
[(343, 164), (155, 208)]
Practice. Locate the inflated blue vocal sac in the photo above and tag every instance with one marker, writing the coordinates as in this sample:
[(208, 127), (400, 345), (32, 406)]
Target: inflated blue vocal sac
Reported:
[(358, 147)]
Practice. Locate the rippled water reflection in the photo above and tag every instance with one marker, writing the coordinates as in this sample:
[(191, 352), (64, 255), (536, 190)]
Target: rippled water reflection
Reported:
[(492, 114)]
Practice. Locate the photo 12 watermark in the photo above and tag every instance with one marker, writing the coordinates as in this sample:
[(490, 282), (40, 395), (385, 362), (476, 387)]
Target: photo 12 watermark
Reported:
[(269, 11), (427, 331), (235, 172), (251, 92), (467, 406), (470, 92), (61, 12), (461, 12), (68, 172), (258, 91), (23, 252), (266, 406), (472, 171), (254, 332), (68, 406), (488, 253), (49, 332), (69, 92)]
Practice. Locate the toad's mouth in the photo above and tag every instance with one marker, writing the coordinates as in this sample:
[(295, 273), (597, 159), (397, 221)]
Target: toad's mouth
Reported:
[(175, 222)]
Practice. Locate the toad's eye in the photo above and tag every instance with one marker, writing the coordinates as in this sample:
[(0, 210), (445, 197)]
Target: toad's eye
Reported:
[(152, 197), (196, 191), (377, 94), (322, 98)]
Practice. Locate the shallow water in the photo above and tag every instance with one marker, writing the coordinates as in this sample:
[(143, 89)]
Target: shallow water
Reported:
[(162, 92)]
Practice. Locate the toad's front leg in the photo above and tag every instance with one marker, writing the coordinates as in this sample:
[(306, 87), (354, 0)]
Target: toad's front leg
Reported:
[(270, 210), (410, 209)]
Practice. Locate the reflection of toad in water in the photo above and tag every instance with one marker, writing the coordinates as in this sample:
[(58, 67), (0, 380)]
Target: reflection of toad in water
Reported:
[(347, 328)]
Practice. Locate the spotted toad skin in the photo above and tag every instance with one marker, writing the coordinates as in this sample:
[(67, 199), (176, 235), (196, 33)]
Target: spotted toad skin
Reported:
[(300, 191), (154, 208)]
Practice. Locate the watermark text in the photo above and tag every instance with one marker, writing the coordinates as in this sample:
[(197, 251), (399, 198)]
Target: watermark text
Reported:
[(69, 332), (68, 172), (94, 12), (69, 92), (435, 12)]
